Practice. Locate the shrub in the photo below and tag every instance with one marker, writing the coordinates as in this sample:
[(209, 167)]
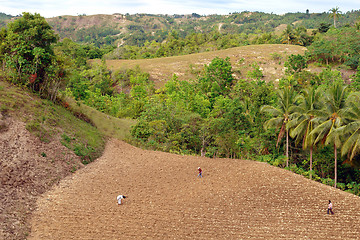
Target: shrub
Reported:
[(264, 158), (353, 188), (256, 73), (328, 181), (276, 56), (279, 161), (341, 186)]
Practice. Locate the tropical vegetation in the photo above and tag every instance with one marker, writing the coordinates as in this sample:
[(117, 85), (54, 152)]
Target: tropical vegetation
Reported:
[(306, 122)]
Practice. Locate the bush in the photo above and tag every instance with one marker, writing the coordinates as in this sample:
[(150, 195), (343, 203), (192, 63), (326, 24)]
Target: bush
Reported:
[(295, 64), (276, 56), (85, 152), (341, 186), (328, 181), (280, 161), (256, 73), (353, 188), (264, 158)]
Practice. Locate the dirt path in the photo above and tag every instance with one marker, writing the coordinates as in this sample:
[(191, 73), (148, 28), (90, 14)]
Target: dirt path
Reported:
[(235, 199)]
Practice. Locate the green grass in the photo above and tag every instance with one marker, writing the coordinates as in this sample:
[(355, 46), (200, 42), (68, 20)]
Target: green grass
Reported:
[(106, 124), (49, 121)]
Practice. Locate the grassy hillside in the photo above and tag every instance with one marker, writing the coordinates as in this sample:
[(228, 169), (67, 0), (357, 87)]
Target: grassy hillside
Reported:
[(47, 120), (270, 59), (106, 124), (41, 143)]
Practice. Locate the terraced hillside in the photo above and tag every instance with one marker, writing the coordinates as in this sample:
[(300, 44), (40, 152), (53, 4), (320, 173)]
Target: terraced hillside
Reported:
[(236, 199)]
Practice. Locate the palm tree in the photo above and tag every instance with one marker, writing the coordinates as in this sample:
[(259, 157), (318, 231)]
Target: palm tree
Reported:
[(351, 146), (301, 126), (281, 115), (330, 119), (300, 35), (288, 34), (335, 13)]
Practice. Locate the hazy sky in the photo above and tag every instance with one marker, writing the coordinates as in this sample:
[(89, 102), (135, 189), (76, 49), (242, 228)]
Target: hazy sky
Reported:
[(51, 8)]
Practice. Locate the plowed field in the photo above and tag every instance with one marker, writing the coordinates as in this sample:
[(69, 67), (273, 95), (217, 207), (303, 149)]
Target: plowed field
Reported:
[(235, 199)]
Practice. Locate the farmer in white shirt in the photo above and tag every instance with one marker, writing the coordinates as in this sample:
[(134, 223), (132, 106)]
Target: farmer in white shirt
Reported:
[(330, 208), (119, 199)]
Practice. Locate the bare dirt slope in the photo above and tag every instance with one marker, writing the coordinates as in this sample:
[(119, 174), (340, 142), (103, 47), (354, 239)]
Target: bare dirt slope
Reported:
[(236, 199), (28, 167)]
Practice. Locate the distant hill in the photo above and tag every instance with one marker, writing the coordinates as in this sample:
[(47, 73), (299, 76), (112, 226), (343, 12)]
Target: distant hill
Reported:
[(125, 29), (136, 29), (4, 18)]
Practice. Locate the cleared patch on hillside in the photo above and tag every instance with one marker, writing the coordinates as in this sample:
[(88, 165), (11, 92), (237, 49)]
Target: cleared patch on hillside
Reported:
[(280, 29), (188, 66), (236, 199)]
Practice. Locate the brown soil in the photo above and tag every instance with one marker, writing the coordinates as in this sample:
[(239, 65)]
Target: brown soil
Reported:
[(28, 168), (236, 199)]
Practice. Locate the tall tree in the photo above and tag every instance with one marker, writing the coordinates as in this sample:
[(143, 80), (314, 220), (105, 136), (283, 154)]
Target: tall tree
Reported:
[(287, 98), (330, 119), (28, 51), (288, 34), (335, 14), (302, 124), (217, 78)]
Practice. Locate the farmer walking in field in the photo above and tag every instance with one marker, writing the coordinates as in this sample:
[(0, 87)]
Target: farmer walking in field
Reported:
[(330, 208), (119, 199), (200, 172)]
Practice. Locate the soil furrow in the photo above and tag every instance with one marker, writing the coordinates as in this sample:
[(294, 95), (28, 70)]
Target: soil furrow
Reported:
[(236, 199)]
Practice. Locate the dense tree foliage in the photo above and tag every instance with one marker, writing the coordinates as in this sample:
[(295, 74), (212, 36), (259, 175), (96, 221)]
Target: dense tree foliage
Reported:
[(340, 45), (28, 55)]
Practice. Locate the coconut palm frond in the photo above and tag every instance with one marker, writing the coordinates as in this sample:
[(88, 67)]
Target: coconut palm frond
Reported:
[(321, 131), (273, 123), (271, 109), (299, 128), (352, 127), (355, 149), (294, 122), (352, 144)]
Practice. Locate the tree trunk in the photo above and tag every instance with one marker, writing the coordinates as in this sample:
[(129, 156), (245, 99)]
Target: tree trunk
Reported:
[(287, 148), (203, 151), (311, 153), (335, 152)]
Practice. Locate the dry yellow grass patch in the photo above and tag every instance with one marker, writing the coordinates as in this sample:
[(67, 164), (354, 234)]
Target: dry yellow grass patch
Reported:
[(162, 69)]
